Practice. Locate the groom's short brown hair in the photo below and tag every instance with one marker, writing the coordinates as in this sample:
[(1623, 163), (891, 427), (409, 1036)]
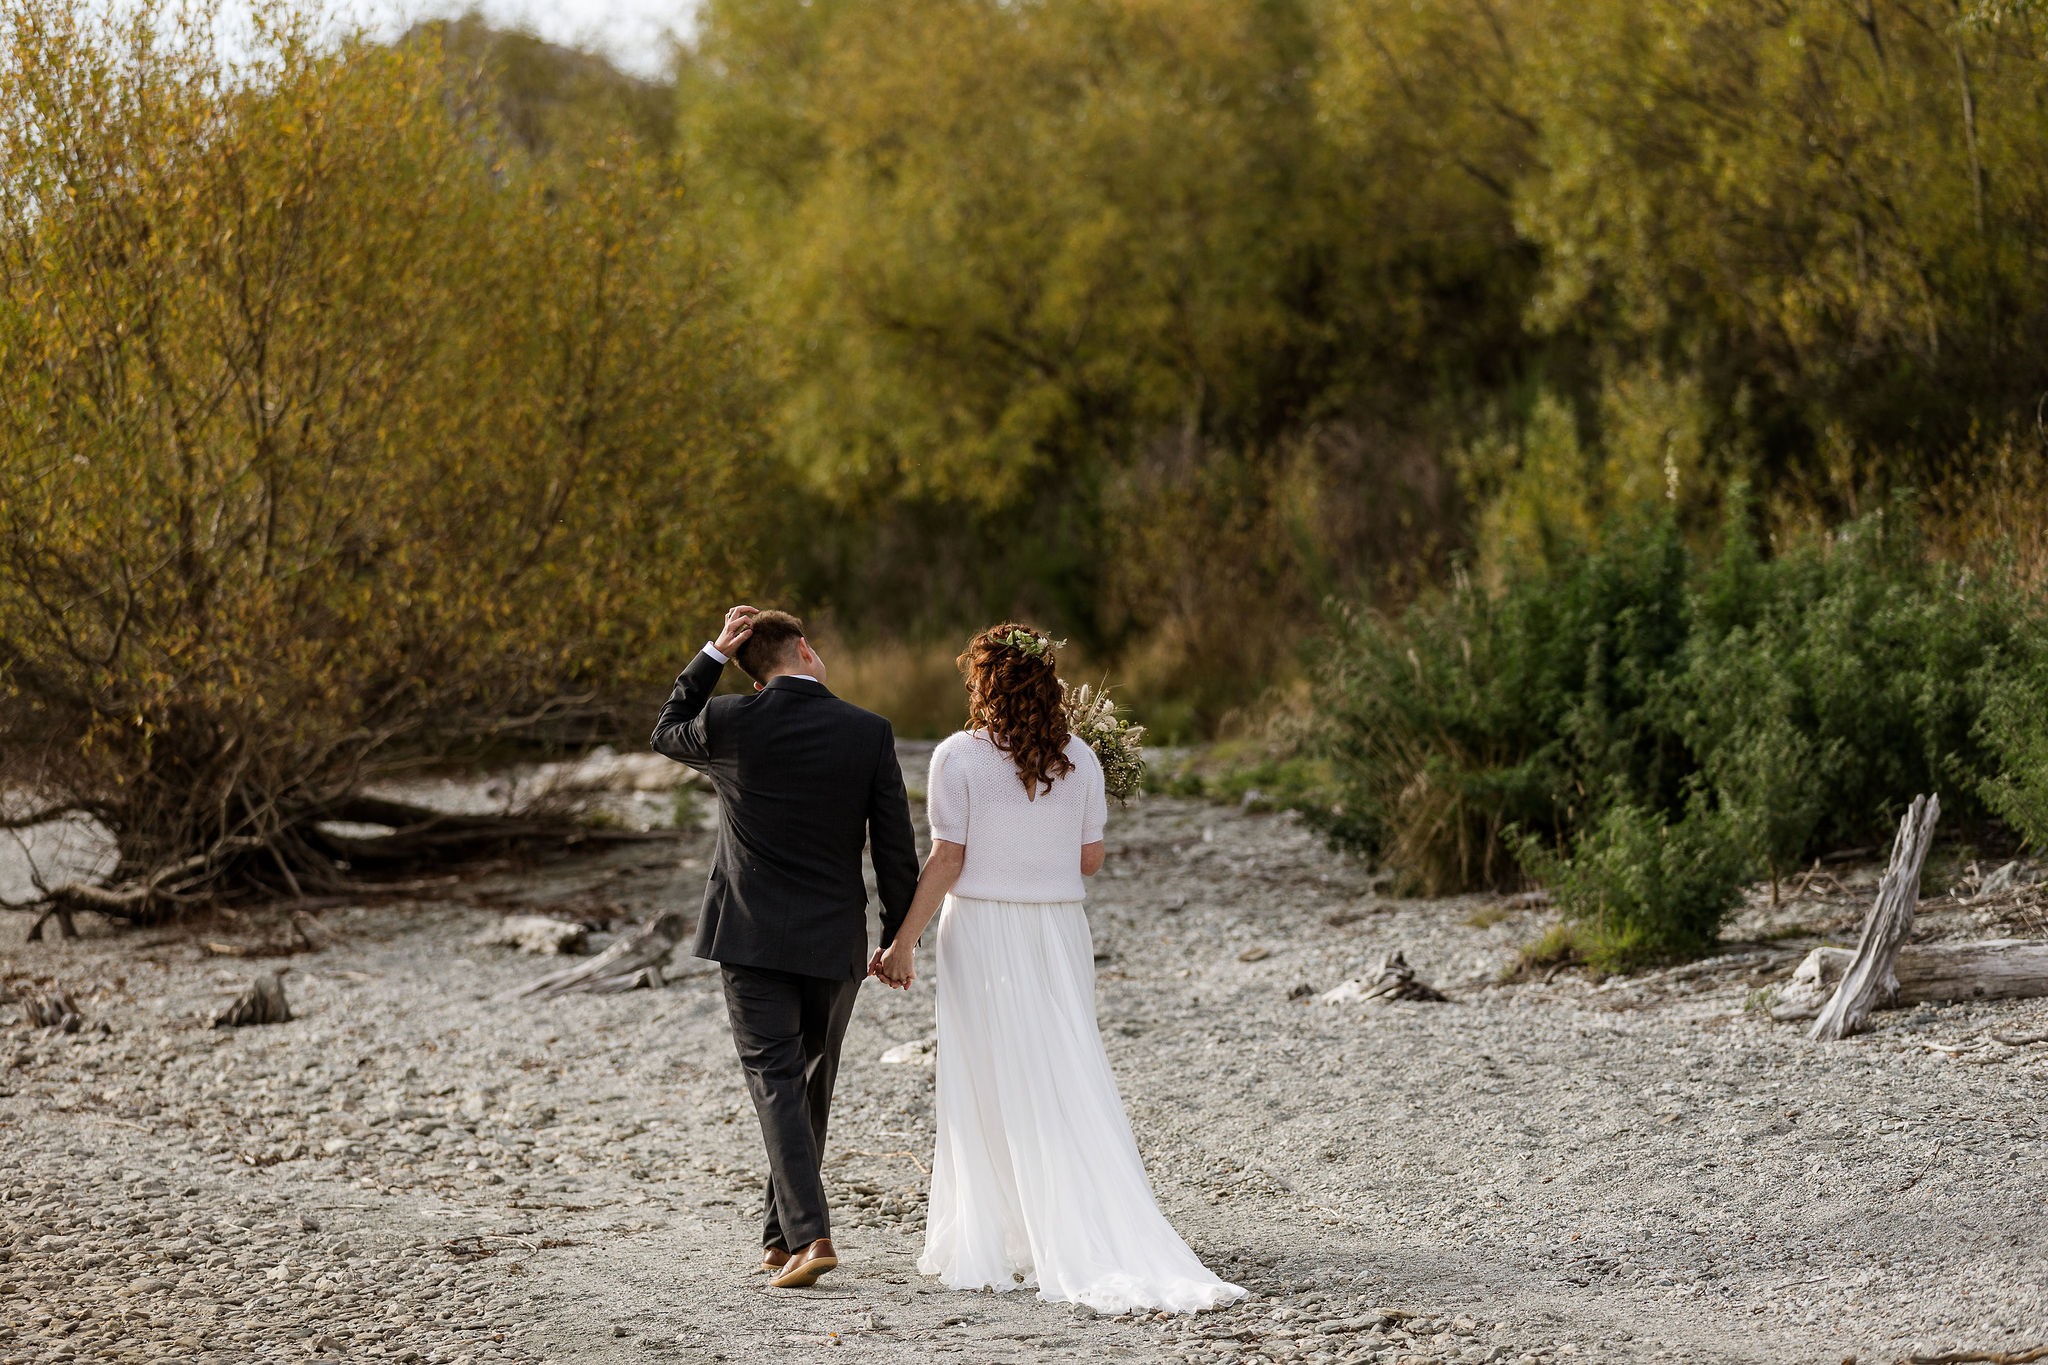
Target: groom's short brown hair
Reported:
[(771, 646)]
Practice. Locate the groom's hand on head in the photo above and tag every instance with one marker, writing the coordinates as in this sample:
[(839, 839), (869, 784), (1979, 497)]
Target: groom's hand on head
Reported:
[(739, 624)]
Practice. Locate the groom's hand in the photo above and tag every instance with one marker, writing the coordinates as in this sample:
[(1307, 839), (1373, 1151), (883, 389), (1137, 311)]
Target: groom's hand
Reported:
[(875, 969), (894, 966), (739, 624)]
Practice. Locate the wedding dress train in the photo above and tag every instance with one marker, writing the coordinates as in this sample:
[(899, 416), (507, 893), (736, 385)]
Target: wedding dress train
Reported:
[(1037, 1179)]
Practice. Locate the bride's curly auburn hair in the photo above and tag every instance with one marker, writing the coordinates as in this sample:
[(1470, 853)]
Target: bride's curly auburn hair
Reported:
[(1013, 692)]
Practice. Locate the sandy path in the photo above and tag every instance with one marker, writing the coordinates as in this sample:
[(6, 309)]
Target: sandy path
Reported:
[(1532, 1172)]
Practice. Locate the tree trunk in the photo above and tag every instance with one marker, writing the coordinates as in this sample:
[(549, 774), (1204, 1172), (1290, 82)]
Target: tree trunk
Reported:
[(1869, 982)]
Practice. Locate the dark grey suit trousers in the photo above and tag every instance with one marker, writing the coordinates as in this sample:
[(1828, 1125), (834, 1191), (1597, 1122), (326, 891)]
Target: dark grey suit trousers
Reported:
[(787, 1028)]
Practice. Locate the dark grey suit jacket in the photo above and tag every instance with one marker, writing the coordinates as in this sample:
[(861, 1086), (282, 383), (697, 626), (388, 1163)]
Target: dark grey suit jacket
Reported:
[(803, 781)]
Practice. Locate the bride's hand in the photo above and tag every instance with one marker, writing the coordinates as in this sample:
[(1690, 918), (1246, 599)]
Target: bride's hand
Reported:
[(896, 965)]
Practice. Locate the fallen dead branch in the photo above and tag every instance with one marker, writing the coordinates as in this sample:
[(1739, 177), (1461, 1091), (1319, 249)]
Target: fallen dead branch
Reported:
[(1921, 1174), (314, 849), (1391, 979), (633, 962)]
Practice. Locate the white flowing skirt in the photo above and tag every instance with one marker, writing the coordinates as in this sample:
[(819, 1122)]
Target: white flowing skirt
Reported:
[(1037, 1179)]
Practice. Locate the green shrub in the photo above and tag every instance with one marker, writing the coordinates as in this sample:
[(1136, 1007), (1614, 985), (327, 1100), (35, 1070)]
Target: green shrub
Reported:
[(2013, 725), (1477, 710), (1638, 888), (1804, 698), (1826, 688)]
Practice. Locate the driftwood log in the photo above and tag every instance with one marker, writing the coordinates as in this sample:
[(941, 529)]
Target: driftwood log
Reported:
[(539, 934), (310, 849), (634, 961), (1390, 979), (261, 1002), (51, 1009), (1869, 982), (1996, 969)]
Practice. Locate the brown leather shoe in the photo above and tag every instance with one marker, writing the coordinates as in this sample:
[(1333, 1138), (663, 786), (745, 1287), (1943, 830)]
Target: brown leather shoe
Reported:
[(773, 1258), (807, 1265)]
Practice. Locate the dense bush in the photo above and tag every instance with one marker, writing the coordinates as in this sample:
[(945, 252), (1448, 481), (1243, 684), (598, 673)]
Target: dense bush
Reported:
[(1476, 709), (2013, 725), (337, 432), (1639, 887), (1644, 709), (1824, 688)]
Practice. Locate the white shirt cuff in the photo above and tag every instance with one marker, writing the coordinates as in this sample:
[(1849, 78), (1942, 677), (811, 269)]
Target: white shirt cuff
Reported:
[(712, 649)]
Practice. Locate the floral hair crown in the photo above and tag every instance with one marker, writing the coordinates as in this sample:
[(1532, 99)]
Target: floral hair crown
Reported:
[(1027, 642)]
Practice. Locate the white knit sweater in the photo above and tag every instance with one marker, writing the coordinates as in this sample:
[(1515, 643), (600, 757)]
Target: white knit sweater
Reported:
[(1019, 847)]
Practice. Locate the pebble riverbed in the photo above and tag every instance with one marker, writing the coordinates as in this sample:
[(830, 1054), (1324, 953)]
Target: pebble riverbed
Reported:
[(412, 1170)]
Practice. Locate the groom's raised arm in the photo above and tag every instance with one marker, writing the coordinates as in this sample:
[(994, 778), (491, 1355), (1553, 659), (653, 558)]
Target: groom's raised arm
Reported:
[(891, 844), (680, 733)]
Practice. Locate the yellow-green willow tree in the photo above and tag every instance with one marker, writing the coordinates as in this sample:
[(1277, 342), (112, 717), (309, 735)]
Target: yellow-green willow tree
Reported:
[(335, 432), (1829, 220), (1068, 285)]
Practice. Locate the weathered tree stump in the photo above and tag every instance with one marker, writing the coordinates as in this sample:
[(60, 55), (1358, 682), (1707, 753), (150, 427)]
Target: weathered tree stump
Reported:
[(261, 1002), (309, 931), (634, 961), (1995, 969), (1391, 979), (51, 1009), (1869, 982)]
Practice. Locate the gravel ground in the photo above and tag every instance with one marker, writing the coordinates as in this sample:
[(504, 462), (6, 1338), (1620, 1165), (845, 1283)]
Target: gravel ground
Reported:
[(1638, 1169)]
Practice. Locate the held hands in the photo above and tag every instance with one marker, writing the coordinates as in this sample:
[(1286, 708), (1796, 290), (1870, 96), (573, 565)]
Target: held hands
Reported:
[(893, 965), (739, 624)]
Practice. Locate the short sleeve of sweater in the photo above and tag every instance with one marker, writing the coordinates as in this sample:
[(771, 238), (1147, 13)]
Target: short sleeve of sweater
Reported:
[(1095, 813), (946, 796)]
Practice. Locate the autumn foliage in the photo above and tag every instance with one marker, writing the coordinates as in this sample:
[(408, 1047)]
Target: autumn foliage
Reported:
[(368, 401), (338, 432)]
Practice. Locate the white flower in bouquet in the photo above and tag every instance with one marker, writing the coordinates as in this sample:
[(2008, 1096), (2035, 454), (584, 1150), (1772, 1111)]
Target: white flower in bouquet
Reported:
[(1118, 744)]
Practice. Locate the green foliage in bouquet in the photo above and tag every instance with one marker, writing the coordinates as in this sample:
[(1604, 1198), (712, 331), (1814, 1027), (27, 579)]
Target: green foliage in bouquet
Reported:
[(1118, 744)]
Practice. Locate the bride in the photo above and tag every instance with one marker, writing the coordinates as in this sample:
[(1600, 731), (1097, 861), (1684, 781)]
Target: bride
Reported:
[(1037, 1179)]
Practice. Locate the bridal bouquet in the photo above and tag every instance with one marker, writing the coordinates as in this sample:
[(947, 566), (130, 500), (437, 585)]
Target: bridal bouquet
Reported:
[(1118, 744)]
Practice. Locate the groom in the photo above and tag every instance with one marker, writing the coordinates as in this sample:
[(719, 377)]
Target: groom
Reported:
[(803, 780)]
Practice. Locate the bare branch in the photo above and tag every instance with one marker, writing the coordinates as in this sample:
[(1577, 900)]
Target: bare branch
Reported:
[(45, 815)]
